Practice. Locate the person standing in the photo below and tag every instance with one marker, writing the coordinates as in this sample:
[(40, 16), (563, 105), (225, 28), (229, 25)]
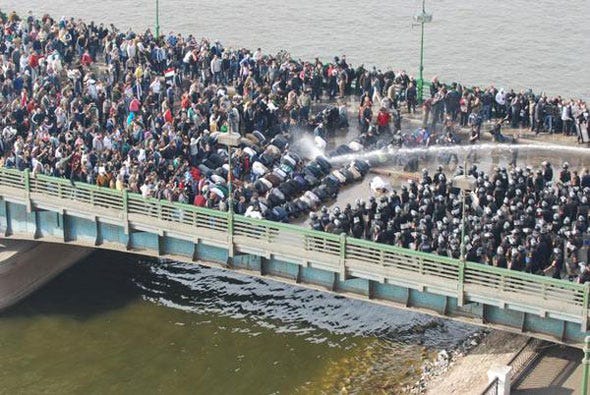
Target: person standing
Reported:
[(539, 115), (437, 107), (342, 82), (515, 111), (464, 108), (383, 120), (567, 118), (216, 69), (452, 102), (411, 98)]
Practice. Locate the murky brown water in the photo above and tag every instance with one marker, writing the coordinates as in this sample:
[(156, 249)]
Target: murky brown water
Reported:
[(113, 324)]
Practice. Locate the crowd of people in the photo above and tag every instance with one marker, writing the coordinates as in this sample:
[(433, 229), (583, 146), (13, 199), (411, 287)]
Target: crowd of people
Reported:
[(521, 219), (133, 111), (539, 113), (128, 110)]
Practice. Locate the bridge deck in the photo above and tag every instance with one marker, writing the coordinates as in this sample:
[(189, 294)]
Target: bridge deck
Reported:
[(53, 209)]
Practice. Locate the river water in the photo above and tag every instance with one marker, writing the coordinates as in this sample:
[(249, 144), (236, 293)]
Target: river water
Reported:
[(542, 44), (116, 323)]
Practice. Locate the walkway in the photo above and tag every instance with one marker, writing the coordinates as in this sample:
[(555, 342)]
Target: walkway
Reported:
[(469, 375), (558, 372)]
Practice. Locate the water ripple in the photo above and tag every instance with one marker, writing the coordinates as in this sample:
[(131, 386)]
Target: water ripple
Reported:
[(289, 309)]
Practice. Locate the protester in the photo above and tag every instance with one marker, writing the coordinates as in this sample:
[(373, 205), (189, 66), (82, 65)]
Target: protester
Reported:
[(130, 111)]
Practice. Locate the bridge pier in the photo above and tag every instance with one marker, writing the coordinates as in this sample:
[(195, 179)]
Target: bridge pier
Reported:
[(65, 226), (25, 266), (371, 289), (334, 286), (161, 245), (445, 310), (196, 250), (99, 239), (125, 199), (6, 223), (299, 274), (38, 234), (263, 265), (27, 182)]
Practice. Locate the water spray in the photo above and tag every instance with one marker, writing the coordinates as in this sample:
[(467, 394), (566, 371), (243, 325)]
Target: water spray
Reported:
[(390, 152)]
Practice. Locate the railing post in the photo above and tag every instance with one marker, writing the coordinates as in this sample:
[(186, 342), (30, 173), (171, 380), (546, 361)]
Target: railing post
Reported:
[(342, 256), (584, 325), (267, 234), (230, 235), (305, 243), (461, 284), (27, 182), (126, 211), (421, 266), (544, 291)]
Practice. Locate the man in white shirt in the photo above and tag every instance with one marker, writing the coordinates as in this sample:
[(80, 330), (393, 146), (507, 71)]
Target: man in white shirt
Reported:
[(156, 87), (258, 55), (501, 100), (216, 69)]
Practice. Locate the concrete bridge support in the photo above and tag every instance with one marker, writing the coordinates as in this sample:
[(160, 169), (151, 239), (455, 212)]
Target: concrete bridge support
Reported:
[(27, 265)]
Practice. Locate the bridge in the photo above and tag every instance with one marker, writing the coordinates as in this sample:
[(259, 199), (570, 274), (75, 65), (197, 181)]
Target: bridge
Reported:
[(57, 211)]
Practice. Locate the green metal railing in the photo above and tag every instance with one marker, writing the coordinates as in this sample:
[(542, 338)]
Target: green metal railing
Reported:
[(469, 282)]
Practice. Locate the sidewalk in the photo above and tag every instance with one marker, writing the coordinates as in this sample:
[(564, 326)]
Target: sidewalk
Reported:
[(469, 375)]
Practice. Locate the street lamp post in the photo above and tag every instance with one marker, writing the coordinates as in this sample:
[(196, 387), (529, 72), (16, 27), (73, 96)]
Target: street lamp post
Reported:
[(157, 18), (465, 183), (230, 139), (422, 18)]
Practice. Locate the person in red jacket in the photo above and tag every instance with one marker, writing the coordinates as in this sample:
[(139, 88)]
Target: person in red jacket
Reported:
[(168, 116), (135, 105), (200, 201), (33, 60), (86, 59), (383, 120)]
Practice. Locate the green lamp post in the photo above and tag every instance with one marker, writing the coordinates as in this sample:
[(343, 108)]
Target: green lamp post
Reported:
[(422, 18), (157, 18)]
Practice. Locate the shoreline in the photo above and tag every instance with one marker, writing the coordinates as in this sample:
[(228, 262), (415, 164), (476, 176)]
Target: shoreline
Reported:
[(465, 372), (437, 369)]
